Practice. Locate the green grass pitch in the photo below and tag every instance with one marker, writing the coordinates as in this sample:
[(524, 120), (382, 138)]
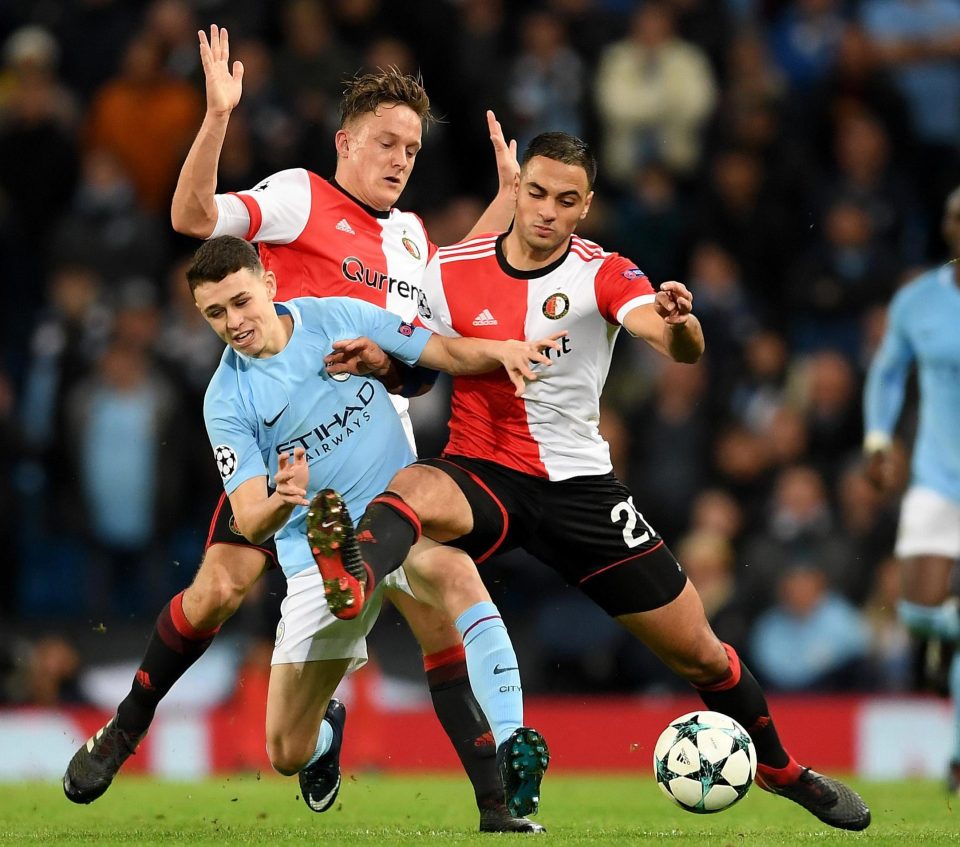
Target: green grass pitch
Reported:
[(395, 810)]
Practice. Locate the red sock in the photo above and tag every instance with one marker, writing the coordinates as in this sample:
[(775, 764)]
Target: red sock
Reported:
[(779, 776)]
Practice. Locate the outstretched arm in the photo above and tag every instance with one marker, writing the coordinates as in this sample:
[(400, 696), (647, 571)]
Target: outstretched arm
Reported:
[(194, 210), (499, 214), (456, 356), (668, 324)]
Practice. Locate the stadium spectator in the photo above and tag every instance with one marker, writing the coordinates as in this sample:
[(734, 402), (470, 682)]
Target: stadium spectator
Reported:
[(105, 229), (864, 172), (650, 221), (676, 413), (733, 211), (710, 562), (38, 168), (827, 394), (127, 495), (149, 140), (805, 38), (857, 86), (824, 635), (846, 271), (547, 80), (800, 531), (654, 92)]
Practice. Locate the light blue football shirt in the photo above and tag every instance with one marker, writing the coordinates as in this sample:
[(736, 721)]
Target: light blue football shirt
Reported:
[(256, 409), (924, 328)]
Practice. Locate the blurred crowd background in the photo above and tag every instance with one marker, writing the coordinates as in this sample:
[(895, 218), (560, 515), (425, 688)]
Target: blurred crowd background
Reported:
[(788, 160)]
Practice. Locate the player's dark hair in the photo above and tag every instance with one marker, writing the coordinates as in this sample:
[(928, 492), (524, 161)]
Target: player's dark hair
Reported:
[(220, 257), (565, 148), (368, 92)]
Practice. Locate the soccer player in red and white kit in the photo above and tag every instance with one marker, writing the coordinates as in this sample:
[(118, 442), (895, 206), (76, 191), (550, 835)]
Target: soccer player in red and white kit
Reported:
[(321, 237), (534, 472)]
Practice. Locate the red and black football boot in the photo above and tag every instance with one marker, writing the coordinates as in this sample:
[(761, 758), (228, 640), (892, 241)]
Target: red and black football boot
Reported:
[(333, 544)]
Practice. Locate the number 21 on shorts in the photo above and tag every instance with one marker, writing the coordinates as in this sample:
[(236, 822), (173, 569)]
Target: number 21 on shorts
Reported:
[(626, 509)]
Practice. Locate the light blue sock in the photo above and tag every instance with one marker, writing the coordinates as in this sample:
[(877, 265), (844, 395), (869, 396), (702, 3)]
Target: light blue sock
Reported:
[(955, 696), (324, 740), (941, 621), (492, 668)]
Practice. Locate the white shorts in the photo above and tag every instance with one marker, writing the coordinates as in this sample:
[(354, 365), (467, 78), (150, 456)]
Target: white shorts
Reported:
[(308, 631), (929, 525)]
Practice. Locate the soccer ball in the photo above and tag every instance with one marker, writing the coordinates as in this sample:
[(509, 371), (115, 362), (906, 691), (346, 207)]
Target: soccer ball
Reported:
[(704, 762)]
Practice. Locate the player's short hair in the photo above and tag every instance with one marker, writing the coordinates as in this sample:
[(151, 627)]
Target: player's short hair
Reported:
[(219, 257), (368, 92), (565, 148)]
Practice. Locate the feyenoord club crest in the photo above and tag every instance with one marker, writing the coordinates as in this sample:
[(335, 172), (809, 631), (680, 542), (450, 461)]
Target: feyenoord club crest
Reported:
[(411, 247), (556, 306)]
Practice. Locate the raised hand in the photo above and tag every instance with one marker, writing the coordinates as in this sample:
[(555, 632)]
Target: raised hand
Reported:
[(223, 85), (674, 303), (293, 477), (517, 355), (508, 168)]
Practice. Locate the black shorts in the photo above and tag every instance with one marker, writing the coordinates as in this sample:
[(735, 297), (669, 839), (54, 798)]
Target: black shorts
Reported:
[(223, 530), (586, 528)]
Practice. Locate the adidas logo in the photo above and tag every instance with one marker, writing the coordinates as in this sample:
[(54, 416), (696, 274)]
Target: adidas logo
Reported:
[(485, 319), (343, 226)]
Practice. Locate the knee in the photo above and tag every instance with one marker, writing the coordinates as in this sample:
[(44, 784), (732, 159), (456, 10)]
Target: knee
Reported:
[(286, 757), (703, 663), (218, 590)]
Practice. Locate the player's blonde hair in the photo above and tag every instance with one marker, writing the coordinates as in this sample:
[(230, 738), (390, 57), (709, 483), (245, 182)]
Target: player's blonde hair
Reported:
[(368, 92)]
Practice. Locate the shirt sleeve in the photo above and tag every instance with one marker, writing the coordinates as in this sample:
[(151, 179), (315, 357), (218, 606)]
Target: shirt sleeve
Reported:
[(232, 436), (887, 376), (393, 335), (621, 286), (232, 217), (277, 209)]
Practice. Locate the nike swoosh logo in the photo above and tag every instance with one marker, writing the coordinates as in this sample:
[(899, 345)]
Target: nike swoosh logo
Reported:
[(272, 422), (322, 804), (498, 670)]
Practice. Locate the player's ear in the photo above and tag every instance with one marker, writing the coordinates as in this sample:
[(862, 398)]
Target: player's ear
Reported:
[(270, 281), (342, 142), (586, 205)]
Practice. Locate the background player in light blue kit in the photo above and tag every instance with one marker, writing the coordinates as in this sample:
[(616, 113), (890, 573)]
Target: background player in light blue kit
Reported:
[(272, 411), (922, 329)]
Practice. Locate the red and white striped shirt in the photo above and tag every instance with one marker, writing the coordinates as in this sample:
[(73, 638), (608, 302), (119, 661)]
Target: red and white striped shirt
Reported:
[(321, 242), (552, 431)]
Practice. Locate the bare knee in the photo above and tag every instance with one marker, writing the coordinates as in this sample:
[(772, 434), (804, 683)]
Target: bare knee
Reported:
[(287, 756), (439, 503), (225, 577), (703, 662)]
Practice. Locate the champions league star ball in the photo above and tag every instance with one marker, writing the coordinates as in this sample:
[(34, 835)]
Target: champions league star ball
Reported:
[(704, 762)]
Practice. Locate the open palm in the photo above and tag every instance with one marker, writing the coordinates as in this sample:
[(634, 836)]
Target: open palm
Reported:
[(224, 85)]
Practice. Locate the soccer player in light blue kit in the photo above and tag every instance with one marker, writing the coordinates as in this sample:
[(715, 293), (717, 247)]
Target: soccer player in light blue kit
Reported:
[(273, 411), (922, 330)]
